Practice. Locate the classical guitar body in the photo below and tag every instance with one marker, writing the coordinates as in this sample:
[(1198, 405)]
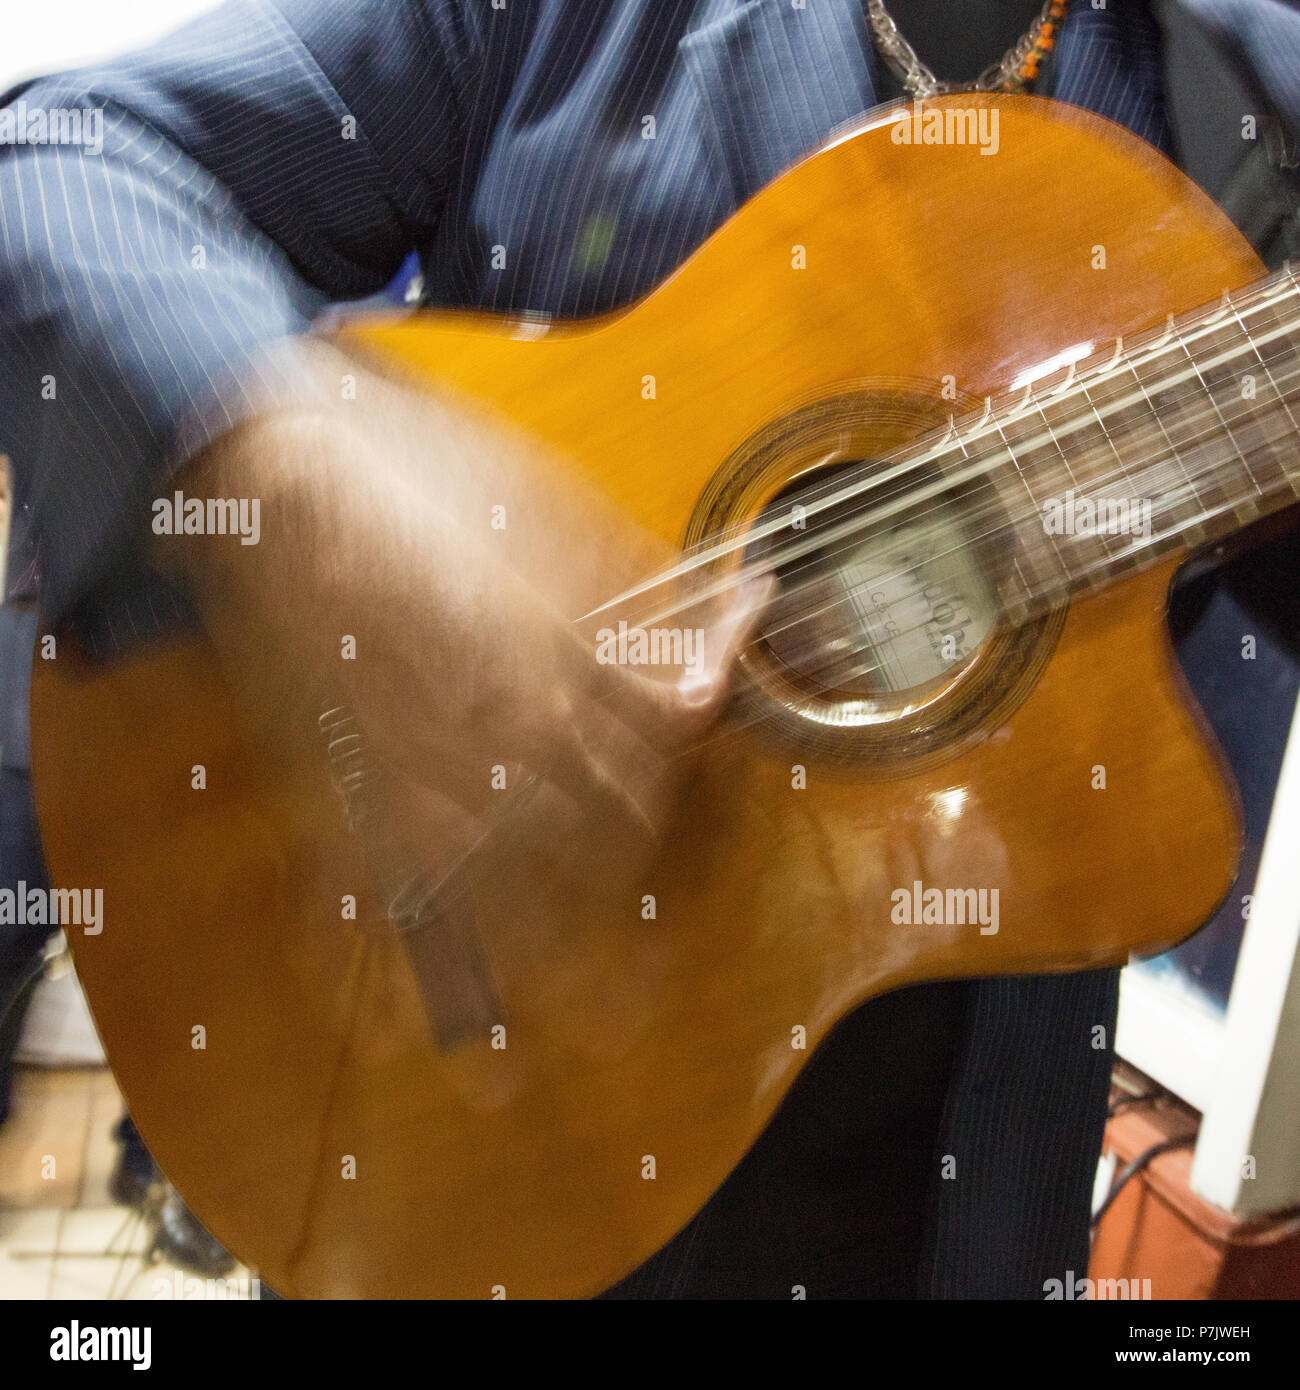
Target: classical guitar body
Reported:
[(325, 1131)]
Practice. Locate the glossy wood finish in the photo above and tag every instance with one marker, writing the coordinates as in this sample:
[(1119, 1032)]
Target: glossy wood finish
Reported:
[(523, 1168)]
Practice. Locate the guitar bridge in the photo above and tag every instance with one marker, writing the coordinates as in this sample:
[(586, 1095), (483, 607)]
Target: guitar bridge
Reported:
[(434, 920)]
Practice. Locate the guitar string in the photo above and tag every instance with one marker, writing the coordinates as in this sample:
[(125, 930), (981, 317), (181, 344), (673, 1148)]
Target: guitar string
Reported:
[(736, 723), (1066, 581), (980, 469), (906, 460), (1066, 576), (855, 528), (1114, 366), (1000, 457), (1070, 581)]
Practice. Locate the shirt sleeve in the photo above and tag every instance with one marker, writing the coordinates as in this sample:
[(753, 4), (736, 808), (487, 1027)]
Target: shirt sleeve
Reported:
[(167, 219)]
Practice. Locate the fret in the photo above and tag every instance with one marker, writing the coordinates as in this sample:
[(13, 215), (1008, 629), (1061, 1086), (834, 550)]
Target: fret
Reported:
[(1162, 541), (1223, 350), (1026, 539), (1058, 478), (1040, 469), (1176, 397), (1144, 551), (1179, 400), (979, 478), (1159, 445), (1279, 364), (1202, 447), (1158, 486), (1151, 476), (1018, 589), (6, 515), (1274, 437), (1170, 535), (1261, 429), (1100, 477)]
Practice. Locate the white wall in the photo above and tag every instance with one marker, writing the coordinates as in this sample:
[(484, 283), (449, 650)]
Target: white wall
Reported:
[(69, 33)]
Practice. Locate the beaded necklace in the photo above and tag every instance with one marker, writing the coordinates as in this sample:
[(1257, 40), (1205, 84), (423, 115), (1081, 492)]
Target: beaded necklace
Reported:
[(1016, 71)]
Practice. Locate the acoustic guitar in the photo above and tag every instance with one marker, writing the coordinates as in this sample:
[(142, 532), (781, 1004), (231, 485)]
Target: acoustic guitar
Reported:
[(973, 411)]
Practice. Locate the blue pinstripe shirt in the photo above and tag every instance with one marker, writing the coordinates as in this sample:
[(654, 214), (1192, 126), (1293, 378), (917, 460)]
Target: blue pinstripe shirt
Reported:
[(281, 153)]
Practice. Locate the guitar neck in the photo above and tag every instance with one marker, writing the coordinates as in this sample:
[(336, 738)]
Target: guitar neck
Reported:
[(1116, 456)]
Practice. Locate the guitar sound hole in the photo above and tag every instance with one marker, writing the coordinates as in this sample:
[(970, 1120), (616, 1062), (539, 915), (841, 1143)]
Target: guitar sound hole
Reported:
[(875, 614), (886, 649)]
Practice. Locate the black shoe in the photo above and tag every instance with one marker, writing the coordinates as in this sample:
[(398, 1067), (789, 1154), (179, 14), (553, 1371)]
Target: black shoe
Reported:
[(135, 1173), (182, 1241)]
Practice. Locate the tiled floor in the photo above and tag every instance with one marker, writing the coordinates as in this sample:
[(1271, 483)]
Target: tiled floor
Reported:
[(61, 1236)]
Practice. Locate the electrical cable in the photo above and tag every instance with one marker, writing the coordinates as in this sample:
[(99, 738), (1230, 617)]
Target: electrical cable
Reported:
[(1135, 1166)]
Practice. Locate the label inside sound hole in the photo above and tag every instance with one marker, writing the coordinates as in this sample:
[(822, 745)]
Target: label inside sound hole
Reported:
[(888, 613), (921, 603)]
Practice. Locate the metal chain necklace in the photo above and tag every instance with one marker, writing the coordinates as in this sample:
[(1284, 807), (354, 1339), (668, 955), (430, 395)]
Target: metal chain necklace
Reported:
[(1016, 71)]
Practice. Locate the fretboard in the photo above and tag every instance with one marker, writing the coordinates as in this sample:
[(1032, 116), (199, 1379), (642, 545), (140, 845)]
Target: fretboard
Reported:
[(1106, 463)]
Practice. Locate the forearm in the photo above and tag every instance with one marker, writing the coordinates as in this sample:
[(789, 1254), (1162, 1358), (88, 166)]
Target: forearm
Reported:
[(337, 527), (113, 373), (143, 277)]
